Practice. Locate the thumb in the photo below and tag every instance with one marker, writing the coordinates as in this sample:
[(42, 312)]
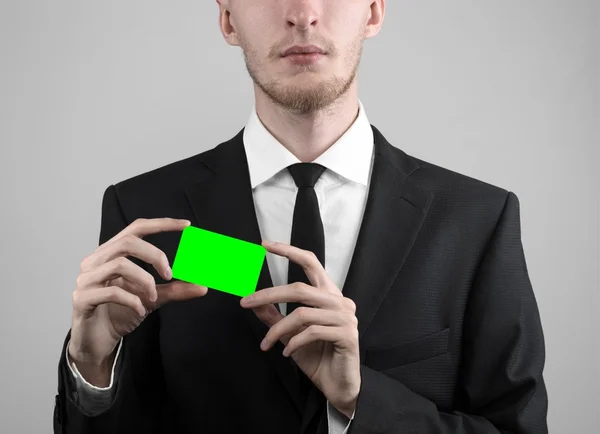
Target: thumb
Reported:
[(178, 290), (268, 314)]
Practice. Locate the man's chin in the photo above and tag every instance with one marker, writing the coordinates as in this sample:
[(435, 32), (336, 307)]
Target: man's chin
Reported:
[(303, 95), (304, 104)]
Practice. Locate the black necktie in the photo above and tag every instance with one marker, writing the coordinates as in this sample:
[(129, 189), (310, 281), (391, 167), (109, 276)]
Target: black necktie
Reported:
[(307, 233)]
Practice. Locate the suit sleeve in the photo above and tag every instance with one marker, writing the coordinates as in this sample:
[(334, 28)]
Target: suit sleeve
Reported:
[(337, 422), (500, 378), (90, 398), (138, 394)]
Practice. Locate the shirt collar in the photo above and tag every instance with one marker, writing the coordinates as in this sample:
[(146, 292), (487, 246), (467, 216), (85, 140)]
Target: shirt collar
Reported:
[(350, 156)]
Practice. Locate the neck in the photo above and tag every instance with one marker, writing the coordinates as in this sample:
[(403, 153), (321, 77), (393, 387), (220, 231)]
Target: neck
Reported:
[(308, 136)]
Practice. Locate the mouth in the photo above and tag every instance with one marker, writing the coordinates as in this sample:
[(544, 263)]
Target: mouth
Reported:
[(303, 50), (304, 55)]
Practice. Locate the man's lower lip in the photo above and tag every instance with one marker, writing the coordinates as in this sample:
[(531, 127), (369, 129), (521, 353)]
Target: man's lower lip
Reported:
[(304, 59)]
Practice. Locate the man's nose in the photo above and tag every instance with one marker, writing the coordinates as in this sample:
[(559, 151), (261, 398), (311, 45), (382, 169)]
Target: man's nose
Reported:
[(302, 14)]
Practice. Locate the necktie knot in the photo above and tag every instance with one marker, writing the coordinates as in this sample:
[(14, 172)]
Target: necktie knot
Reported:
[(306, 174)]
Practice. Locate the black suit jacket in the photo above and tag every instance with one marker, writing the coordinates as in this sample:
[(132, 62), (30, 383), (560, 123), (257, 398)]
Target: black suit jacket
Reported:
[(449, 329)]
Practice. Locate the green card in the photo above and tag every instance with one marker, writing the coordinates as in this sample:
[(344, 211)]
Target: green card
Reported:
[(218, 261)]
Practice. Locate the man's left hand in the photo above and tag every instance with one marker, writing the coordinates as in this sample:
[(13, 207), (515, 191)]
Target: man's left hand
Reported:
[(321, 339)]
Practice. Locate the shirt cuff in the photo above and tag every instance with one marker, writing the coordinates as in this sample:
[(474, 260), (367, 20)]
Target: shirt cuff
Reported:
[(337, 421), (93, 399)]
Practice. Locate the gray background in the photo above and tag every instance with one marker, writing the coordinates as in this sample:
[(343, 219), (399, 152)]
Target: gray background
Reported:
[(95, 92)]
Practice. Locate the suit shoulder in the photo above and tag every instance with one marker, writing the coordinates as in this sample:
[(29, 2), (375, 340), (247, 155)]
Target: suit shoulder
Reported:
[(471, 204), (170, 176), (154, 192), (442, 180), (163, 190), (168, 173), (460, 196)]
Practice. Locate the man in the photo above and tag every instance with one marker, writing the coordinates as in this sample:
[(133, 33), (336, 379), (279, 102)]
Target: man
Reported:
[(396, 301)]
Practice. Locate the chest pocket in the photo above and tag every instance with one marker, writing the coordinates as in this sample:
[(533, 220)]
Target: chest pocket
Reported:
[(387, 357)]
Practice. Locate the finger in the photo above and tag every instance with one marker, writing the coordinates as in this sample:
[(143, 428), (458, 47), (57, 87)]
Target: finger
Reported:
[(298, 292), (179, 290), (119, 267), (134, 289), (269, 315), (172, 291), (143, 226), (303, 317), (87, 301), (312, 334), (130, 245), (307, 260)]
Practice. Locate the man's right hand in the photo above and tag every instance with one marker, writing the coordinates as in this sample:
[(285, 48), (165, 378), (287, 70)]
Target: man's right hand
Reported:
[(113, 295)]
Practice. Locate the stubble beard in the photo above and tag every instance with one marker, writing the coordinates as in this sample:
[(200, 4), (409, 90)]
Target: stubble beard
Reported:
[(309, 97)]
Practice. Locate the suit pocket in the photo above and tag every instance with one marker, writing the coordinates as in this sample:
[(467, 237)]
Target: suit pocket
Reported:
[(386, 357)]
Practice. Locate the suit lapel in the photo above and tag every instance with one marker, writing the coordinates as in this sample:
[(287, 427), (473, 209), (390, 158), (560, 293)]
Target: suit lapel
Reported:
[(222, 202), (394, 213)]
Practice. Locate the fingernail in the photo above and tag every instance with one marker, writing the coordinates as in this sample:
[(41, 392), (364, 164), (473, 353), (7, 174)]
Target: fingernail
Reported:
[(169, 273), (263, 344)]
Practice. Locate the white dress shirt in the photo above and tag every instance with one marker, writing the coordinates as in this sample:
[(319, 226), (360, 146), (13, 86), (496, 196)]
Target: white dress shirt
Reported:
[(341, 192)]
